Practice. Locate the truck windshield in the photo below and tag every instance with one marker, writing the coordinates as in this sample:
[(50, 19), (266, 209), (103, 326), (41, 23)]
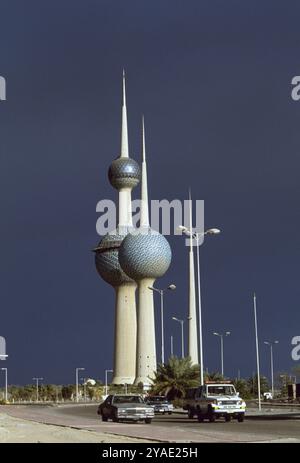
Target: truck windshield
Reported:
[(220, 390)]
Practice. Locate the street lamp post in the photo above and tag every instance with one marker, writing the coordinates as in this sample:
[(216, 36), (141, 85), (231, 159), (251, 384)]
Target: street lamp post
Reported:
[(84, 387), (107, 371), (257, 352), (182, 334), (37, 380), (77, 391), (196, 236), (6, 394), (271, 344), (221, 336), (161, 292)]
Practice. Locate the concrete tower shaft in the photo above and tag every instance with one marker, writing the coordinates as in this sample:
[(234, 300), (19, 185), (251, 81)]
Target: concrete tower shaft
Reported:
[(192, 318)]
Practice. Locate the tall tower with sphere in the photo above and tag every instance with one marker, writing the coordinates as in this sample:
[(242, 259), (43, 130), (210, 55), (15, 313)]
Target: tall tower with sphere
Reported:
[(145, 255), (124, 174)]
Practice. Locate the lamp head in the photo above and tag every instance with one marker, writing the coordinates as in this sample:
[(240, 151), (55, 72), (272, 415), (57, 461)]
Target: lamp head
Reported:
[(213, 231), (182, 228)]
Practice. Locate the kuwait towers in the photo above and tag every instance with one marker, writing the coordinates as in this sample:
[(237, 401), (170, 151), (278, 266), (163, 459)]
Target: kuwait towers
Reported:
[(129, 258), (145, 255), (124, 174)]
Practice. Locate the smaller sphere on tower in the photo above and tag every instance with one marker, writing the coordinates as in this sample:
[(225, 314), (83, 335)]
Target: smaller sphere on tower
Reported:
[(124, 173)]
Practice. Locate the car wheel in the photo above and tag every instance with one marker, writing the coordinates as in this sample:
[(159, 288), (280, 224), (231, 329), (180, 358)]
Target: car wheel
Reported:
[(191, 413), (148, 420), (104, 418), (200, 419), (227, 418), (241, 417), (169, 413)]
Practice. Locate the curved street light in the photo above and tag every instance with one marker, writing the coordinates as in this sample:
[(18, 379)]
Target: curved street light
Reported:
[(271, 344), (171, 287), (221, 336), (77, 388), (37, 380)]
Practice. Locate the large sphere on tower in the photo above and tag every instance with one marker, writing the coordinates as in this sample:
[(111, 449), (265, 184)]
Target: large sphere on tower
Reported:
[(107, 260), (124, 173), (145, 254)]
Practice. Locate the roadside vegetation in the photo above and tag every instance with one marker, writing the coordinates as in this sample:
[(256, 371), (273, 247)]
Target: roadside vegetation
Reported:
[(171, 379)]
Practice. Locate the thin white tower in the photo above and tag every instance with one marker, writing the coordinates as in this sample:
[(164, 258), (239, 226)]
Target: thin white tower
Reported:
[(146, 348), (192, 318), (145, 255)]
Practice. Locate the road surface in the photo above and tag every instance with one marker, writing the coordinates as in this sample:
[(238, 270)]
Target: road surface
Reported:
[(174, 428)]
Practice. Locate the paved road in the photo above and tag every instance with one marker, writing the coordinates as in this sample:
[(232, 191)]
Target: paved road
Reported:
[(174, 428)]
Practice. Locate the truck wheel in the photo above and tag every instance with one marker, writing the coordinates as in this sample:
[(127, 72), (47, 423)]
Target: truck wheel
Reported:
[(200, 419), (241, 417), (104, 418), (227, 418), (191, 413), (148, 420), (211, 417)]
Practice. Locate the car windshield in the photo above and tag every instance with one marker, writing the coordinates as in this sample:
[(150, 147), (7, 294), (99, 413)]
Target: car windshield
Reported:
[(158, 399), (220, 390), (126, 399)]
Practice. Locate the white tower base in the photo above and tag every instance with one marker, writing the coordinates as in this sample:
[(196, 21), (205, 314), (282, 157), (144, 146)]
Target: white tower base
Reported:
[(146, 349), (125, 335)]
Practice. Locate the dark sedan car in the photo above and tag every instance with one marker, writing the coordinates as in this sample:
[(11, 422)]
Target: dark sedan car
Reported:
[(125, 407), (160, 404)]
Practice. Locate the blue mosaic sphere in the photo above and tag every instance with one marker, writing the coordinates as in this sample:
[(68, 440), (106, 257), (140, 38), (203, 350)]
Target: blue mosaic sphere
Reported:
[(124, 173), (107, 260), (145, 254)]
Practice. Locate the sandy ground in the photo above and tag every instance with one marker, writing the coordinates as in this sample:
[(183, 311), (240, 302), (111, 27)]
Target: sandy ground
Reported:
[(15, 430)]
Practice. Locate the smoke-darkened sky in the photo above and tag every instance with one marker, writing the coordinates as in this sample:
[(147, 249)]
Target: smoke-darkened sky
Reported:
[(213, 79)]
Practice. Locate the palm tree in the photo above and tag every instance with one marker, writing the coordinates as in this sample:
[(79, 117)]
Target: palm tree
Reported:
[(173, 378), (214, 376)]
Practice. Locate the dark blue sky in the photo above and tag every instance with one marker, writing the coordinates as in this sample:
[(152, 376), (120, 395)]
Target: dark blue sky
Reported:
[(213, 80)]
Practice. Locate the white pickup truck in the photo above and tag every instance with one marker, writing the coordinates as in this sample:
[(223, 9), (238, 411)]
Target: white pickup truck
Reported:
[(214, 400)]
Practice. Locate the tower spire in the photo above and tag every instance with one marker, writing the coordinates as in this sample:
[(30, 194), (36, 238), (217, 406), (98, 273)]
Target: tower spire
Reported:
[(124, 132), (144, 185)]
